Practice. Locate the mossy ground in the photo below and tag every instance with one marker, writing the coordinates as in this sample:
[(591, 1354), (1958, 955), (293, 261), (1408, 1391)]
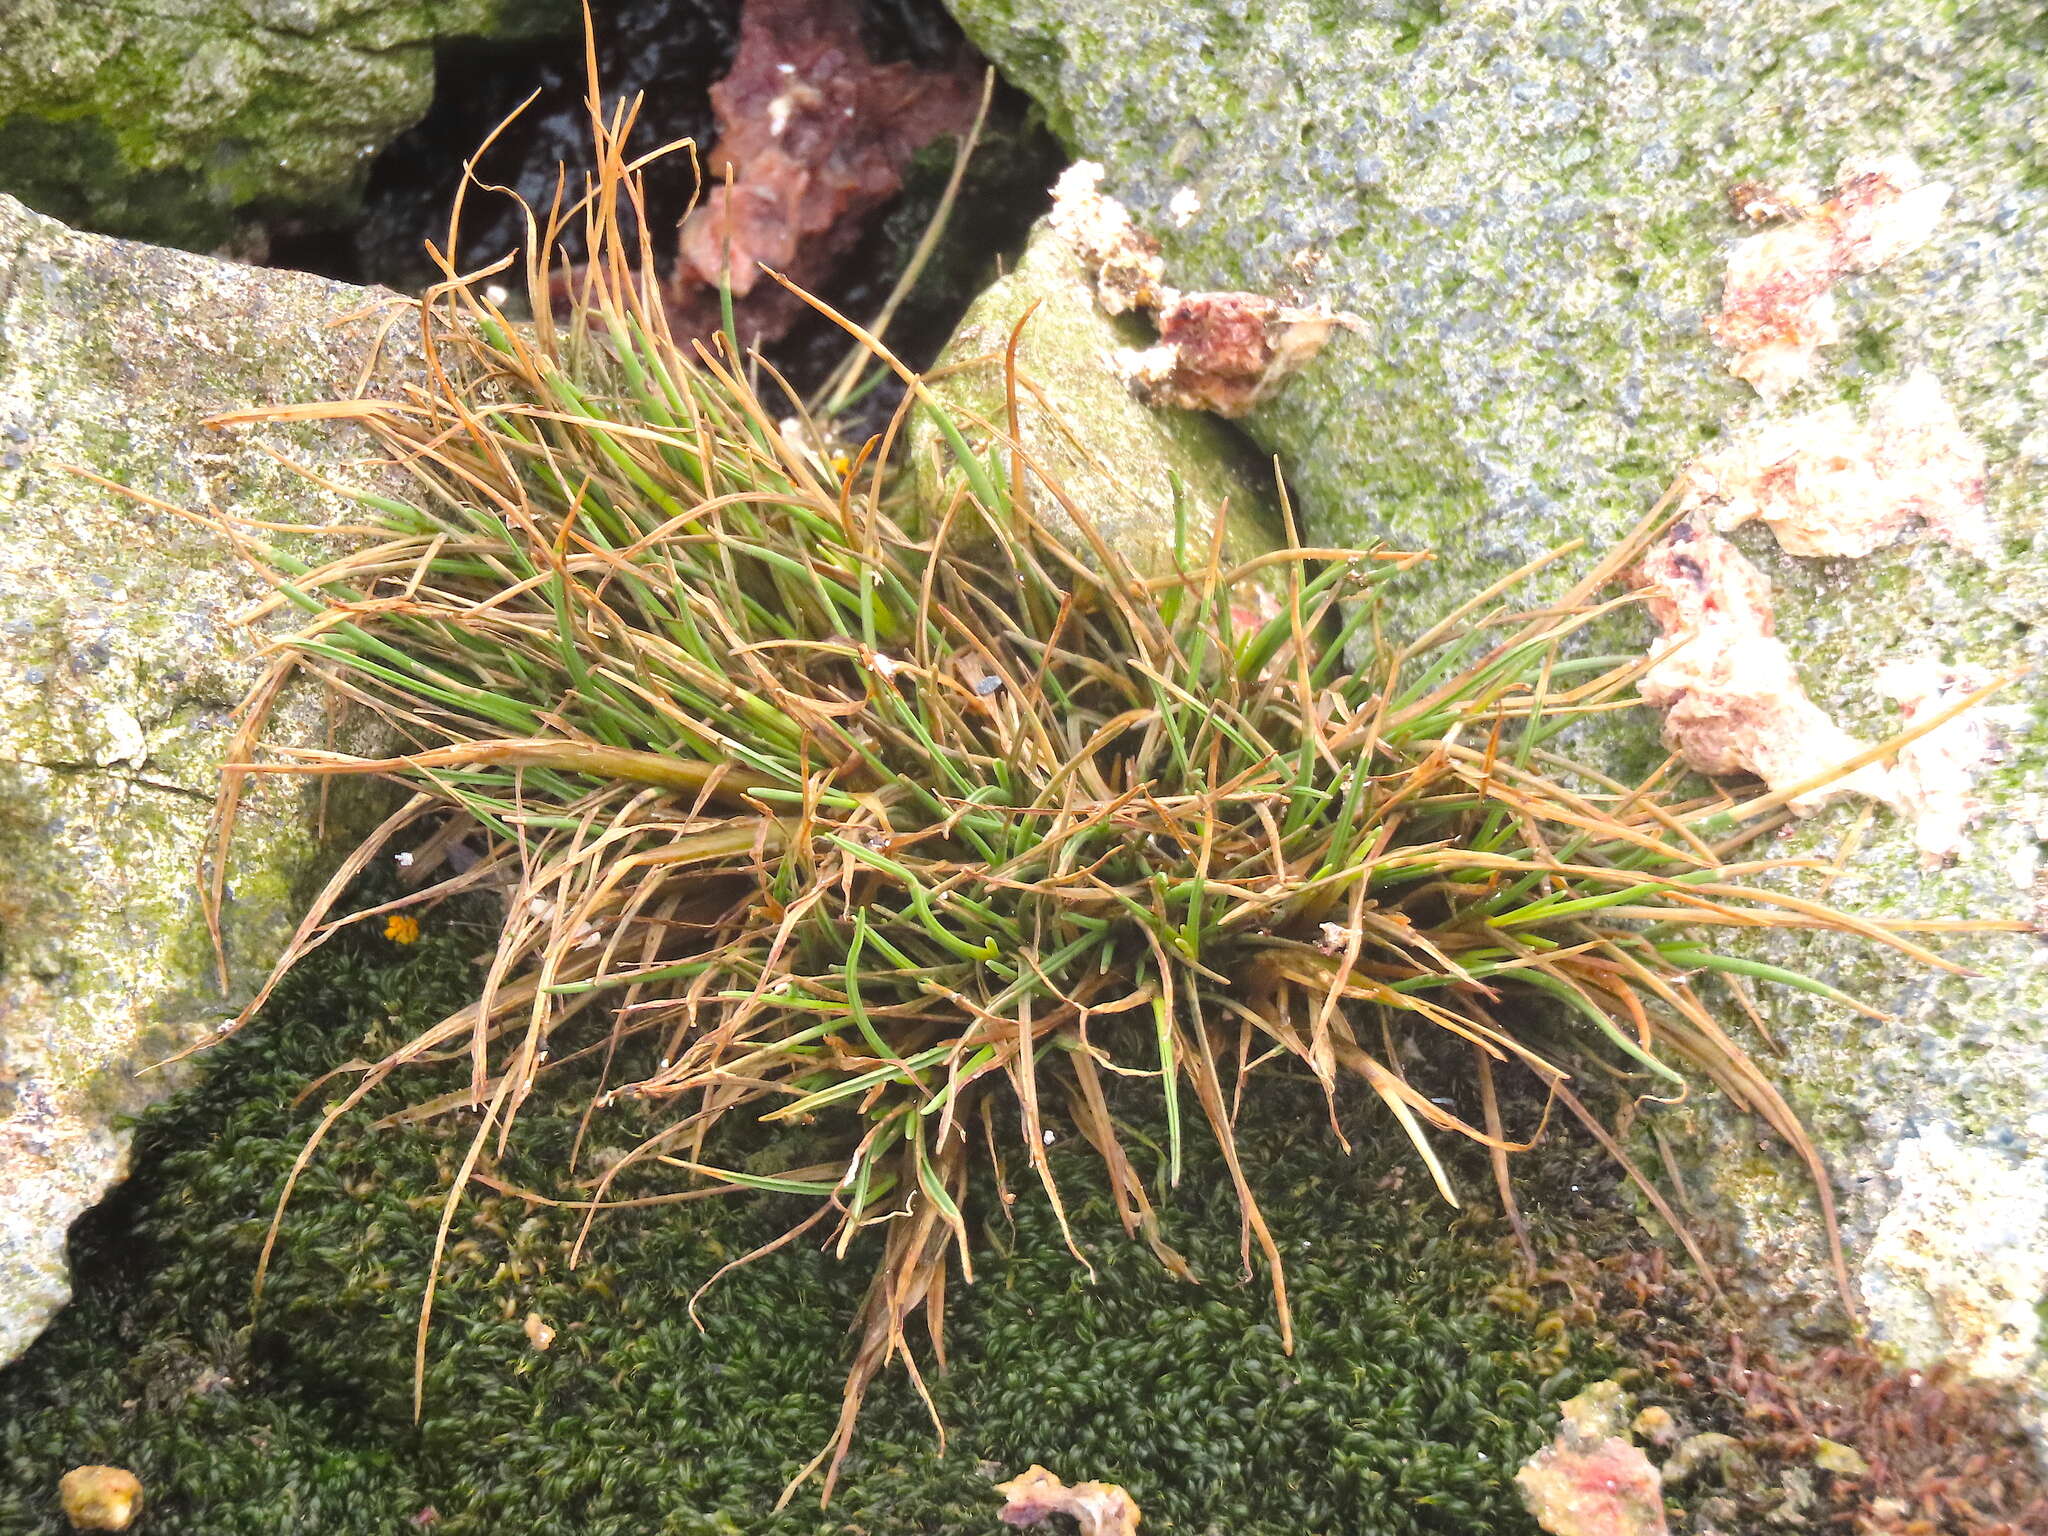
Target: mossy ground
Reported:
[(1408, 1402)]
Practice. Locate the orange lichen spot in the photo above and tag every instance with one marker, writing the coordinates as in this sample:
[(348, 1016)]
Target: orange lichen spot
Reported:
[(1754, 203)]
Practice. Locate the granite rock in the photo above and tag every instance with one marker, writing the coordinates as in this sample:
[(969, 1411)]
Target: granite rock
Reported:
[(1530, 203), (119, 673)]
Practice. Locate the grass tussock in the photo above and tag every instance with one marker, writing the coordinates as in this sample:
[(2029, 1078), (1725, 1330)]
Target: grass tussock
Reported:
[(891, 834)]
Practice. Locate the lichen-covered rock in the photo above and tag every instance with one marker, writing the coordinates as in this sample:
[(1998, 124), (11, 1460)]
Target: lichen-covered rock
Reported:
[(1124, 464), (1529, 200), (119, 671), (163, 121)]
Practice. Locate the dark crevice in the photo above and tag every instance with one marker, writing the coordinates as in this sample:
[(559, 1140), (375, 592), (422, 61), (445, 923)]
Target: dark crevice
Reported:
[(670, 52)]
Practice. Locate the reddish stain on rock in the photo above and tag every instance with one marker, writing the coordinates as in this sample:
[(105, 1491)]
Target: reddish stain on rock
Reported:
[(1218, 351), (1608, 1490), (1592, 1480), (1226, 351)]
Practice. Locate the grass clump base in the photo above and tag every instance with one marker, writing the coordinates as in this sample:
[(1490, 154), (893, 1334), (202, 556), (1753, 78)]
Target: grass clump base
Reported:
[(1418, 1380), (853, 851)]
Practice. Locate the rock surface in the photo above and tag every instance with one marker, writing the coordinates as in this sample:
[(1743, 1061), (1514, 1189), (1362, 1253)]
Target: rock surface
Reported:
[(1529, 200), (118, 675), (1114, 458), (163, 120)]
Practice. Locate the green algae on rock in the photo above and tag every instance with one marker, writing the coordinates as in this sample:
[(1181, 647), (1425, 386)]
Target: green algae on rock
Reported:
[(162, 122), (1528, 200), (119, 678)]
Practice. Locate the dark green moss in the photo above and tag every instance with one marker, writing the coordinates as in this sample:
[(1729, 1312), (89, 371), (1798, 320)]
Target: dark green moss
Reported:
[(1406, 1405)]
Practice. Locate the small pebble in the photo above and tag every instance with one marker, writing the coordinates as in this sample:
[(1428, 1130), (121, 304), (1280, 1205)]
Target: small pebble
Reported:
[(100, 1498), (1842, 1460), (1656, 1425)]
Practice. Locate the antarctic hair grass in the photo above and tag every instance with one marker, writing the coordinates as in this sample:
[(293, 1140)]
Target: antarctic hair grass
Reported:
[(913, 826)]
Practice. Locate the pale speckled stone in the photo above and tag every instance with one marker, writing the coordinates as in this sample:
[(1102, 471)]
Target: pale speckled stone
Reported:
[(1960, 1261), (118, 673), (1527, 199)]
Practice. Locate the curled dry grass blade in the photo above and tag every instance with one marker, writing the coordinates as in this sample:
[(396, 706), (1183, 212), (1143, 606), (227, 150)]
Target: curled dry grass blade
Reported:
[(912, 833)]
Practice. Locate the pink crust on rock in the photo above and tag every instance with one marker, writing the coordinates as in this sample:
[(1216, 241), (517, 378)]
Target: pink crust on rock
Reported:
[(1592, 1480), (1225, 352), (1610, 1489), (1732, 699), (1777, 304), (1827, 484), (1734, 702), (1218, 351)]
